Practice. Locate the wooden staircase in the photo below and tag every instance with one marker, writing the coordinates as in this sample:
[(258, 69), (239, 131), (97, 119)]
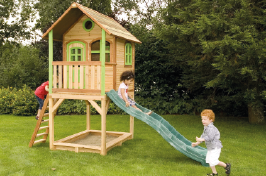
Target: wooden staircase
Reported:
[(44, 123)]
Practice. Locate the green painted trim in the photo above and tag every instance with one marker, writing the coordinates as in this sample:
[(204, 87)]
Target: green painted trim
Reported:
[(84, 46), (83, 25), (50, 61), (76, 54), (95, 51), (128, 54), (102, 59)]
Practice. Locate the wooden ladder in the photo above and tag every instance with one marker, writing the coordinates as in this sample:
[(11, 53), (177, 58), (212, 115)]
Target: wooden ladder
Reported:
[(38, 127)]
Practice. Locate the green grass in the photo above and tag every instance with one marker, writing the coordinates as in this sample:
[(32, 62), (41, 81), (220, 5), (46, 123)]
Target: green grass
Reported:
[(148, 154)]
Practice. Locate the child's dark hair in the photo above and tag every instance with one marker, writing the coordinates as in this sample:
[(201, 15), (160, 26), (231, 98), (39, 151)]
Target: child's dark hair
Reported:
[(127, 75)]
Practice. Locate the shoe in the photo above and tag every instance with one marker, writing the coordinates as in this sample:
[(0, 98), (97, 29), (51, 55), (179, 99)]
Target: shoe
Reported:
[(37, 117), (212, 174), (228, 168)]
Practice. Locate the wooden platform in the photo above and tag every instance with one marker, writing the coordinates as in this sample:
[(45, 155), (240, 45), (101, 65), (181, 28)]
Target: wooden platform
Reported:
[(90, 141)]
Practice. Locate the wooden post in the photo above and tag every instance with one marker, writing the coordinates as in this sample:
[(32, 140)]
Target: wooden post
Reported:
[(103, 129), (50, 61), (132, 126), (51, 123), (88, 126)]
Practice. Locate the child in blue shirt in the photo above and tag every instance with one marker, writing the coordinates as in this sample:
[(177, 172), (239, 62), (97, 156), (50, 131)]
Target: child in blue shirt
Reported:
[(211, 137)]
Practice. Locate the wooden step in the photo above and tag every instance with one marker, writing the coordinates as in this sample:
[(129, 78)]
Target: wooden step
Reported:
[(41, 134), (39, 141), (43, 127), (46, 114), (47, 120)]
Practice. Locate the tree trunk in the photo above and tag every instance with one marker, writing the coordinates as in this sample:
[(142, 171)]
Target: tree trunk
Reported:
[(255, 114)]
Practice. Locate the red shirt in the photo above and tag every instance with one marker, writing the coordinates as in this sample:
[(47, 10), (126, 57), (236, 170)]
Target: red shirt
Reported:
[(40, 91)]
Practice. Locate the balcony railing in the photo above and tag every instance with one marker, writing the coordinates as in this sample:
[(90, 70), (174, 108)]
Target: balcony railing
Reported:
[(77, 76)]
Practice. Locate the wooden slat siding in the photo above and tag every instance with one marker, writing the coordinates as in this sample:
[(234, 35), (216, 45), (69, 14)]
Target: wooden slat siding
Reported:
[(76, 63), (70, 74), (98, 77), (81, 85), (65, 77), (55, 76), (87, 77), (60, 71), (76, 77), (92, 76)]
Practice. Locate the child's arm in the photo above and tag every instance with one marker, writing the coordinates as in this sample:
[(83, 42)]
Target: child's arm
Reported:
[(200, 139), (130, 97), (124, 97), (47, 88), (194, 144)]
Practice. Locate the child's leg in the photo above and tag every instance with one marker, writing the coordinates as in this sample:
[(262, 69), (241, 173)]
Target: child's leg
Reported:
[(134, 106), (222, 164), (213, 169)]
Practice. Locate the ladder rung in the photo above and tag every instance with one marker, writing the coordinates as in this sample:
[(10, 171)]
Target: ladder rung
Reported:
[(41, 134), (47, 120), (39, 141), (46, 114), (43, 127)]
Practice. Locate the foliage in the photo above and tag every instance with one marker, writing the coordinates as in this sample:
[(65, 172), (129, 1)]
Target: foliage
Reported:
[(220, 46), (22, 65), (18, 101), (16, 29)]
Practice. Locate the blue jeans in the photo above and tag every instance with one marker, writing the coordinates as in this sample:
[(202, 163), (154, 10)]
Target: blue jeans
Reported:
[(40, 101)]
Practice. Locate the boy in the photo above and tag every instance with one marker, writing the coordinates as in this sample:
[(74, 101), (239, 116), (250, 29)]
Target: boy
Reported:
[(211, 137)]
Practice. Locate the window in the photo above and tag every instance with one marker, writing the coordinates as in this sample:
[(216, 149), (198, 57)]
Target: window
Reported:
[(76, 54), (128, 54), (88, 25), (96, 48)]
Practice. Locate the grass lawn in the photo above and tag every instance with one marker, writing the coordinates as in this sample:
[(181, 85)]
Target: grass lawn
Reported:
[(148, 154)]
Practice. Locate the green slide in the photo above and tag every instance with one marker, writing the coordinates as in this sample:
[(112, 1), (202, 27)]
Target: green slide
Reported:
[(167, 131)]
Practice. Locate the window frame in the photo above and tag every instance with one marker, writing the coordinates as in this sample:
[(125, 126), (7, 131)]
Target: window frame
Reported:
[(76, 54), (128, 55), (99, 51), (84, 22)]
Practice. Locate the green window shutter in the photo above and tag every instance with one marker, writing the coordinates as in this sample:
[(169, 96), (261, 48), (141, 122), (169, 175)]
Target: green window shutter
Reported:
[(128, 54)]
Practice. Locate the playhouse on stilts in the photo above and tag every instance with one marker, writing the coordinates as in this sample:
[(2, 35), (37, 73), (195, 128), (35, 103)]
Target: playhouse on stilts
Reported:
[(96, 50)]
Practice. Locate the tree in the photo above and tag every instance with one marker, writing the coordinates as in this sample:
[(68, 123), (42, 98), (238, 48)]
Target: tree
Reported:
[(17, 28), (222, 45)]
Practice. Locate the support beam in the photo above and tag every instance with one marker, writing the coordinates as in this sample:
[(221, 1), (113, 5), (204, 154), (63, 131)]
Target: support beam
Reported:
[(51, 123), (103, 128), (131, 130), (96, 106), (57, 104), (88, 124)]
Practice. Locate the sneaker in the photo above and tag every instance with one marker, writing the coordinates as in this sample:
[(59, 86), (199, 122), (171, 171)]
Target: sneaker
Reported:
[(212, 174), (37, 117), (228, 168)]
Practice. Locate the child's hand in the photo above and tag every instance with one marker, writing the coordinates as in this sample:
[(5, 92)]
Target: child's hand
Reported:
[(127, 104), (194, 144), (199, 139)]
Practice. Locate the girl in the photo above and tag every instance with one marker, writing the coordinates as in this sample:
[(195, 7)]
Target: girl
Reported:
[(126, 78), (40, 94)]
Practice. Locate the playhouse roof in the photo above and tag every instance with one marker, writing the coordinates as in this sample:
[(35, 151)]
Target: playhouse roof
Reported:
[(75, 11)]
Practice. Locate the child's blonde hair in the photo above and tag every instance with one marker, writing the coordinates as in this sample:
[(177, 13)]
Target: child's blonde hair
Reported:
[(209, 113)]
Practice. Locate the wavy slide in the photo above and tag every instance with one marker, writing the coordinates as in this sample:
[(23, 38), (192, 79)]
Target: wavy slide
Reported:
[(167, 131)]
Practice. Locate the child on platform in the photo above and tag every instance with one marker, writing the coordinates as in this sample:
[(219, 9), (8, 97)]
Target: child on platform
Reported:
[(40, 95), (126, 78), (211, 137)]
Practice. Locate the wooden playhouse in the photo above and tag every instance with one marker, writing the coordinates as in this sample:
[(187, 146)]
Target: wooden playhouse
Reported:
[(96, 50)]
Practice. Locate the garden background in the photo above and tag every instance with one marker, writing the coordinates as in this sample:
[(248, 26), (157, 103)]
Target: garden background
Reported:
[(195, 54)]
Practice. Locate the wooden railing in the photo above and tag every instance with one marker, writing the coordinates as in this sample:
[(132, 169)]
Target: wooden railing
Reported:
[(76, 76)]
